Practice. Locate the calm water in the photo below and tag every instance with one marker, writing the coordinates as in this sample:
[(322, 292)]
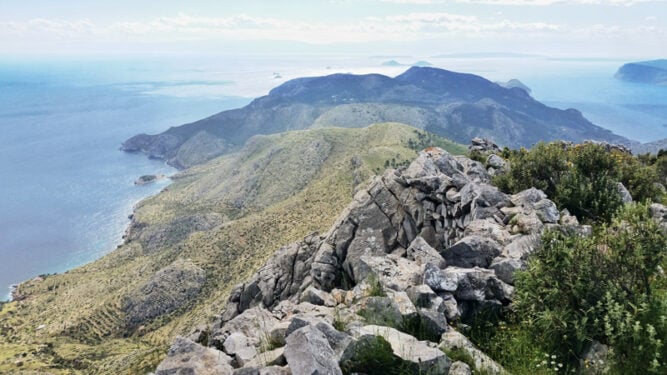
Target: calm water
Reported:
[(66, 190)]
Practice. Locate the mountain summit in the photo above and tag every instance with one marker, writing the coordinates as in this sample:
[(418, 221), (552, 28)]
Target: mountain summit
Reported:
[(457, 105)]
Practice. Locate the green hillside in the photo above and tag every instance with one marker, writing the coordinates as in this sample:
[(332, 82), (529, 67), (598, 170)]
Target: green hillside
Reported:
[(213, 227)]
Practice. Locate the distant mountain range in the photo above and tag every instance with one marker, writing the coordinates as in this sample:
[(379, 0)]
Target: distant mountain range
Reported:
[(455, 105), (652, 72)]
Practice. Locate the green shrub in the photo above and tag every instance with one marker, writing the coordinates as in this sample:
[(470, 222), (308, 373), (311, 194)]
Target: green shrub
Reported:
[(604, 288), (372, 355), (582, 178)]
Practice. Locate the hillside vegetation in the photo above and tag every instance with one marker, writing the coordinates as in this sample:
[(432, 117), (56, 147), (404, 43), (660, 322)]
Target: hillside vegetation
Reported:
[(211, 228)]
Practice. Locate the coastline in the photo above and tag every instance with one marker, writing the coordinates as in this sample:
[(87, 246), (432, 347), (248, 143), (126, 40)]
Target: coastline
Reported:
[(166, 180)]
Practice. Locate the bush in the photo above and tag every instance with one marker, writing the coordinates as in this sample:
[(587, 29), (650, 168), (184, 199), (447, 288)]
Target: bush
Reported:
[(604, 288), (582, 178)]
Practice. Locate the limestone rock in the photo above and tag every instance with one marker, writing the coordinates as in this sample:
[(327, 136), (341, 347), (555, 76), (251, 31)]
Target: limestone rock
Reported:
[(270, 370), (317, 297), (239, 347), (423, 357), (433, 324), (478, 284), (495, 161), (393, 272), (472, 251), (421, 252), (275, 357), (506, 267), (438, 280), (308, 352), (381, 310), (595, 359), (188, 357), (453, 340), (521, 247), (623, 192), (547, 211), (460, 368), (483, 145), (255, 324)]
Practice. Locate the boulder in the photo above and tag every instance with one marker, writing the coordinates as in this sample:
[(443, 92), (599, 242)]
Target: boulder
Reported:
[(239, 347), (317, 297), (489, 228), (595, 359), (460, 368), (547, 211), (483, 145), (506, 267), (188, 357), (528, 197), (275, 357), (270, 370), (421, 355), (472, 251), (478, 284), (433, 324), (495, 161), (438, 280), (623, 192), (255, 324), (452, 340), (308, 352), (521, 247), (421, 252), (381, 310), (392, 272), (422, 296)]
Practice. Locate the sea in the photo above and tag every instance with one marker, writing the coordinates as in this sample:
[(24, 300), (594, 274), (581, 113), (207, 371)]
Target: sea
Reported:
[(66, 190)]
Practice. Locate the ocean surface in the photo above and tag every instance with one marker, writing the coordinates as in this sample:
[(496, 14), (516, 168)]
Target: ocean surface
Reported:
[(66, 191)]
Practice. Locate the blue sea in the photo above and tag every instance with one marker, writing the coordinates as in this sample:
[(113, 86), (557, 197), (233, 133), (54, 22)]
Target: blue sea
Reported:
[(66, 190)]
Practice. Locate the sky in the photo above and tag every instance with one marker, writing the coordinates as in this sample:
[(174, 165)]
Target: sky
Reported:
[(563, 28)]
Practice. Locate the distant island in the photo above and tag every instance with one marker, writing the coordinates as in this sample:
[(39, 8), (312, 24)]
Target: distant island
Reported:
[(420, 63), (149, 179), (512, 83), (652, 72)]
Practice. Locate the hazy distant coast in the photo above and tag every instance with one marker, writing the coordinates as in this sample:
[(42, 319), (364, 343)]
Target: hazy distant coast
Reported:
[(651, 72)]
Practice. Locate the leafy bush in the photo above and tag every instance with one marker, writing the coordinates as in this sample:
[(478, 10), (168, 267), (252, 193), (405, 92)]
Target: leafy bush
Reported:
[(604, 288), (372, 355), (582, 178)]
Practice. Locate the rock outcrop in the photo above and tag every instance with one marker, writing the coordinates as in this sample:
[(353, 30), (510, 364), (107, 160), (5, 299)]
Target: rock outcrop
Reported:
[(417, 252), (167, 290)]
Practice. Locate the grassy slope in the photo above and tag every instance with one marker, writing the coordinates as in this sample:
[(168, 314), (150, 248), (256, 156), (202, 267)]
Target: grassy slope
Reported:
[(275, 191)]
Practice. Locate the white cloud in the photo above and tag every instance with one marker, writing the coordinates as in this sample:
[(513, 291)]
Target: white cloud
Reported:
[(526, 2), (410, 27)]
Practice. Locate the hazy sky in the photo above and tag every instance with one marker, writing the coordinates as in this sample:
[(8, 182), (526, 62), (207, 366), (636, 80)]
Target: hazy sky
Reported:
[(595, 28)]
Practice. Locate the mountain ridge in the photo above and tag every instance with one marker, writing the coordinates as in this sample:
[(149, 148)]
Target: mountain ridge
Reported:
[(457, 105)]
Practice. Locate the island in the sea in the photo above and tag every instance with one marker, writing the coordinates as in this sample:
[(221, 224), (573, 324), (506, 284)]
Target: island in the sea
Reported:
[(652, 72), (149, 179)]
